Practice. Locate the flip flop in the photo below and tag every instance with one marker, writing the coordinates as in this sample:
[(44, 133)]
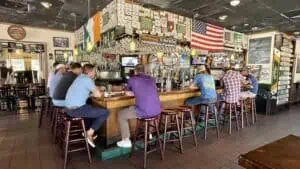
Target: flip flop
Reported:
[(91, 142)]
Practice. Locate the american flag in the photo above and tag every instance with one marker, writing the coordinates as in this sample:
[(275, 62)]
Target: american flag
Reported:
[(207, 37)]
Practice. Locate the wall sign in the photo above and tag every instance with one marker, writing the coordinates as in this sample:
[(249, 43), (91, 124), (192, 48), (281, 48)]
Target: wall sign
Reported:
[(16, 32), (259, 51)]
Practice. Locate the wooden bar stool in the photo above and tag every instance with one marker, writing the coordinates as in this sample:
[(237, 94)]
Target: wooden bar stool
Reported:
[(188, 122), (170, 123), (43, 108), (250, 108), (56, 120), (231, 108), (145, 127), (73, 139), (214, 116)]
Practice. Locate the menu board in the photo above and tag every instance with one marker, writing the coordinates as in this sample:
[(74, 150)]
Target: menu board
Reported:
[(259, 52)]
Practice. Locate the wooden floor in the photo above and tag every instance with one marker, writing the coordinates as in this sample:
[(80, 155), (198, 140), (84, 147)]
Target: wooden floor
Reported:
[(24, 146)]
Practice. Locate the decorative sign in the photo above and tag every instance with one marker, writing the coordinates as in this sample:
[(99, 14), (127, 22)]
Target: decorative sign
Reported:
[(259, 51), (18, 64), (146, 23), (180, 28), (150, 38), (60, 42), (16, 32), (168, 41)]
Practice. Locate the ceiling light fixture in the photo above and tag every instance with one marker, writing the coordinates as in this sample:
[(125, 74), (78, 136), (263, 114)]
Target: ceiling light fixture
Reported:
[(223, 17), (254, 28), (233, 27), (46, 4), (296, 33), (235, 3), (246, 24)]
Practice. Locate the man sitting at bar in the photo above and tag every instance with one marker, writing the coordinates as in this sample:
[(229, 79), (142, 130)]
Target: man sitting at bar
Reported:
[(147, 103), (63, 85), (252, 82), (231, 82), (206, 84), (59, 71), (77, 96)]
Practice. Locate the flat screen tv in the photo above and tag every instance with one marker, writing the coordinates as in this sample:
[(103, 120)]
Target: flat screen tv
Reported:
[(129, 61)]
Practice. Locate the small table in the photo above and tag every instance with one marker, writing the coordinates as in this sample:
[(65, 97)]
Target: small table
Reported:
[(281, 154)]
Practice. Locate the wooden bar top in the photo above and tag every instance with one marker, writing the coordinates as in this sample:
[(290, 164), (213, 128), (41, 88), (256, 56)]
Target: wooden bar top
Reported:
[(123, 97), (281, 154)]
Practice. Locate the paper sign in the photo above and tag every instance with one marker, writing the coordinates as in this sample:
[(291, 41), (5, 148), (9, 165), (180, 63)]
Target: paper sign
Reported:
[(35, 65), (18, 64)]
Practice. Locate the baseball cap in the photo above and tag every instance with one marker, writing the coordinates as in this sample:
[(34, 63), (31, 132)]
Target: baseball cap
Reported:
[(59, 66)]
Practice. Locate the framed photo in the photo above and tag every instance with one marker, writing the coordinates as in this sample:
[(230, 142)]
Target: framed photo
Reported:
[(62, 56), (60, 42)]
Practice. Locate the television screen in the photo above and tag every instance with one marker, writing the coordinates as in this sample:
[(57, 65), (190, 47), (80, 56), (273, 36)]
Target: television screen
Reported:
[(129, 61), (198, 60)]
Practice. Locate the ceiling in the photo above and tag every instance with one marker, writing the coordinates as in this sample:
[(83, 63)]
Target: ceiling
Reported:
[(263, 14)]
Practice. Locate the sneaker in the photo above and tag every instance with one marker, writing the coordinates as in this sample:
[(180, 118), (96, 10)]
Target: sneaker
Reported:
[(90, 140), (124, 144)]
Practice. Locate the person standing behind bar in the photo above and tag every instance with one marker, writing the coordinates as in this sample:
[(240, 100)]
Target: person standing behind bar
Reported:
[(76, 98), (206, 84), (66, 81), (147, 103), (59, 71)]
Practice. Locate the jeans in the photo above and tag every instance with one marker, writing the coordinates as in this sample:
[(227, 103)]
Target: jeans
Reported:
[(195, 101), (94, 116)]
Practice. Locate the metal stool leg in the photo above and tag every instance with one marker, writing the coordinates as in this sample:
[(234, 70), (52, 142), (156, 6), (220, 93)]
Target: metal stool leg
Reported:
[(165, 133), (216, 121), (206, 121), (230, 118), (193, 127), (236, 117)]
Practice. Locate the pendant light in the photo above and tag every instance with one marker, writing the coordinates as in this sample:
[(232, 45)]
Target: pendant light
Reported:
[(90, 45), (132, 45)]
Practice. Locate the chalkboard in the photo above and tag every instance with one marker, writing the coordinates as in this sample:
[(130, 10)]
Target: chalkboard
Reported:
[(260, 51)]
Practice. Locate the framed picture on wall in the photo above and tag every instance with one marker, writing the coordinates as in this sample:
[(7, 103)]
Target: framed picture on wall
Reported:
[(60, 42), (62, 56)]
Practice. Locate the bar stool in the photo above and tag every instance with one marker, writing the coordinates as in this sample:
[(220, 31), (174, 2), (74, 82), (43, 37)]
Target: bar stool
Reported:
[(250, 108), (188, 122), (170, 123), (143, 129), (214, 115), (229, 110), (43, 109), (58, 115), (73, 139)]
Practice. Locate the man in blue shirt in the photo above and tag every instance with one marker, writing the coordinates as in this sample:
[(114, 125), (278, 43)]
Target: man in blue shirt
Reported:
[(59, 71), (206, 84), (76, 98), (252, 79)]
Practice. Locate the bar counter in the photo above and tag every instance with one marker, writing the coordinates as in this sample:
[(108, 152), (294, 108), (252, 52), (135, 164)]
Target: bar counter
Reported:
[(110, 131)]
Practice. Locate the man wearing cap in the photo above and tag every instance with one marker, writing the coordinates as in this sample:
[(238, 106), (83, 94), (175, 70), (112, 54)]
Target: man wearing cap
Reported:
[(206, 84), (59, 71)]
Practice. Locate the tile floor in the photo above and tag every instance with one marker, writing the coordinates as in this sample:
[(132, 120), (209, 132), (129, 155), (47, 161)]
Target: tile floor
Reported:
[(24, 146)]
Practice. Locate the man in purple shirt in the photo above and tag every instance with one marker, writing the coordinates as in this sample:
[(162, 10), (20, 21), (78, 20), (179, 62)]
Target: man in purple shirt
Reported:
[(147, 103)]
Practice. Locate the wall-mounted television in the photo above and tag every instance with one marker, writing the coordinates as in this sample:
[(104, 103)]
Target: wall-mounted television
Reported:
[(198, 60), (129, 61)]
